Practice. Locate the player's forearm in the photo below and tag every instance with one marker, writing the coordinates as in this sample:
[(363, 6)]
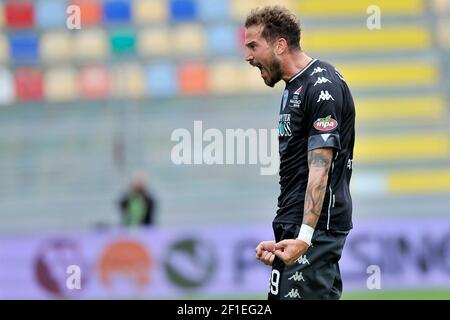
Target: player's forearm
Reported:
[(319, 161)]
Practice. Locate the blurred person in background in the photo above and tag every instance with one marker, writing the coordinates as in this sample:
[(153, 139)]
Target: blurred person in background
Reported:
[(137, 205), (316, 139)]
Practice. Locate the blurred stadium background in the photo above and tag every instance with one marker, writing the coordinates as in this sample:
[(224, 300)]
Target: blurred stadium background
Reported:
[(80, 110)]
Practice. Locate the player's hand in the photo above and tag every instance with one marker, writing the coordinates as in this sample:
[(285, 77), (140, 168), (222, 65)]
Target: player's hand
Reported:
[(264, 252), (290, 250)]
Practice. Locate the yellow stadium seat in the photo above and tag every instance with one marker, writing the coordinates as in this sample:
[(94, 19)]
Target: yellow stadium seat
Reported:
[(346, 8), (419, 181), (407, 108), (224, 77), (128, 81), (154, 42), (338, 40), (390, 74), (188, 39), (91, 44), (252, 81), (401, 147), (150, 11), (61, 85), (4, 49), (56, 46)]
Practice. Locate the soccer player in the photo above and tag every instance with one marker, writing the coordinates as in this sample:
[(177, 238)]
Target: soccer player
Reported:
[(316, 138)]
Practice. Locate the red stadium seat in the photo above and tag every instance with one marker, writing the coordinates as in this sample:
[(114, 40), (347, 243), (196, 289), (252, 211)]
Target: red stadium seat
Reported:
[(19, 14)]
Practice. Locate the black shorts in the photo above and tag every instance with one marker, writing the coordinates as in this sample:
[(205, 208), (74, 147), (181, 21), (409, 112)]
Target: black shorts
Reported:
[(316, 274)]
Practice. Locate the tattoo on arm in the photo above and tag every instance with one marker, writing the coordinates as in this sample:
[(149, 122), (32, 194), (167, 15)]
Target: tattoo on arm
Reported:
[(319, 162)]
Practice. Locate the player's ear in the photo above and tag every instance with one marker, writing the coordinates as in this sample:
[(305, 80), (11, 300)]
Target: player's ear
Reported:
[(281, 46)]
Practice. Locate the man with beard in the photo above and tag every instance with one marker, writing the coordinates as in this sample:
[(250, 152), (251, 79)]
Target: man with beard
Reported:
[(316, 139)]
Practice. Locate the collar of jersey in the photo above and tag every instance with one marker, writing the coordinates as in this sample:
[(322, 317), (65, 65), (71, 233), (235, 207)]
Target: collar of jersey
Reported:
[(303, 70)]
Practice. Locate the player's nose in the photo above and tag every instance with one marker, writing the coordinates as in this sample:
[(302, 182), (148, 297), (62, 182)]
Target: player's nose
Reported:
[(248, 56)]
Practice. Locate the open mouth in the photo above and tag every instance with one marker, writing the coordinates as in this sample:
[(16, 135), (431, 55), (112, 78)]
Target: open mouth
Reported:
[(261, 68)]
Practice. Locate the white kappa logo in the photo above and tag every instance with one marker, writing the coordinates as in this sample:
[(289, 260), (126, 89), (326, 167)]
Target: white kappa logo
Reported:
[(298, 276), (293, 294), (321, 80), (325, 96), (318, 70), (303, 260)]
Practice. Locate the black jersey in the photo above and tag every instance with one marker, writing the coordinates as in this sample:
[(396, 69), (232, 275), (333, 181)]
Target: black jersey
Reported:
[(317, 111)]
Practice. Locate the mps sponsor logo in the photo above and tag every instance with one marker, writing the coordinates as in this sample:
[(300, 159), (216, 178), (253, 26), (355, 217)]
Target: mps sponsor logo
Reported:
[(325, 124), (284, 125)]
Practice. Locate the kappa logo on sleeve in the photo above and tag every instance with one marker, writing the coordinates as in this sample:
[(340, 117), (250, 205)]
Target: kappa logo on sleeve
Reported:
[(325, 124), (325, 96)]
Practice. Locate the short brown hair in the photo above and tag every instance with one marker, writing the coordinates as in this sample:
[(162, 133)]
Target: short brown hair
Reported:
[(278, 22)]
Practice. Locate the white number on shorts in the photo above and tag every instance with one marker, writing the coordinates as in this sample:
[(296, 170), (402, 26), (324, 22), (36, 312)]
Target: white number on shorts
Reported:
[(274, 281)]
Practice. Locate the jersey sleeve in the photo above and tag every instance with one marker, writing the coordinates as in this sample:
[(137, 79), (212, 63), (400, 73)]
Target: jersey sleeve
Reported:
[(324, 109)]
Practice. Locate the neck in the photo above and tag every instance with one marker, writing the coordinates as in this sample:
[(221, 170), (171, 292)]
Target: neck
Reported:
[(295, 63)]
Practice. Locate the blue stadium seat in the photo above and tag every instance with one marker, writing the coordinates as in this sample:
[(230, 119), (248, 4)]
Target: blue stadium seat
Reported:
[(213, 10), (161, 80), (183, 10), (117, 11), (50, 13), (24, 47), (223, 39)]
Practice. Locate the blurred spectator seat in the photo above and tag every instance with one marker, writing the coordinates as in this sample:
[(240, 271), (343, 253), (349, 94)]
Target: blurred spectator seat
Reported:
[(60, 85), (390, 73), (51, 13), (362, 40), (94, 82), (128, 81), (188, 39), (116, 11), (213, 10), (251, 80), (182, 10), (24, 47), (351, 8), (419, 181), (56, 46), (91, 44), (193, 79), (28, 84), (122, 42), (434, 145), (91, 12), (155, 42), (419, 108), (161, 79), (224, 77), (7, 93), (150, 11), (223, 40), (19, 13)]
